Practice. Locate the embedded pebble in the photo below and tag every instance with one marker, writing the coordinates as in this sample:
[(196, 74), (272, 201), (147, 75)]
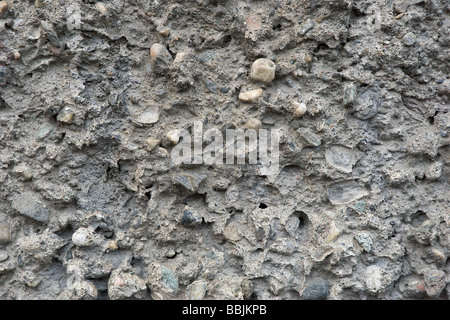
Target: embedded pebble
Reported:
[(66, 116), (84, 237), (101, 8), (434, 171), (196, 290), (148, 116), (254, 124), (309, 137), (3, 6), (365, 241), (340, 157), (434, 282), (26, 205), (350, 94), (161, 58), (125, 285), (174, 136), (263, 70), (409, 39), (317, 290), (299, 109), (3, 255), (151, 143), (308, 25), (5, 233), (190, 180), (251, 95), (345, 192), (189, 219)]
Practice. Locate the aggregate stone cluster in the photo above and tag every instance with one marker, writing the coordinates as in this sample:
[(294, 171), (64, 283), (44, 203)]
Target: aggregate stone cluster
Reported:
[(93, 96)]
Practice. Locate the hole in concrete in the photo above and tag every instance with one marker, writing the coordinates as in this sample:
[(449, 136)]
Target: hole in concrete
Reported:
[(263, 205)]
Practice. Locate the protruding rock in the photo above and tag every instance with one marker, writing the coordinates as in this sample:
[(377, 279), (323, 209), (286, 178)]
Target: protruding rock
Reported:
[(341, 158), (251, 95), (151, 143), (161, 58), (345, 192), (148, 116), (3, 6), (434, 282), (25, 204), (263, 70), (350, 94), (365, 241), (100, 7), (254, 124), (5, 233), (190, 180), (309, 137), (125, 285), (318, 290), (66, 116), (299, 109), (84, 237), (196, 290)]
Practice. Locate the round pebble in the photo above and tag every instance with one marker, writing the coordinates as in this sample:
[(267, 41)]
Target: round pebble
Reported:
[(263, 70)]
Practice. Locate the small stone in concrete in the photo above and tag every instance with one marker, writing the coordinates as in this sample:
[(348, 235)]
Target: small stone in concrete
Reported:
[(309, 137), (26, 205), (5, 233), (3, 255), (100, 7), (254, 124), (148, 116), (190, 180), (299, 109), (197, 290), (66, 116), (350, 94), (3, 6), (365, 241), (409, 39), (251, 95), (263, 70), (189, 219), (434, 171), (151, 143), (434, 282), (318, 290), (308, 25)]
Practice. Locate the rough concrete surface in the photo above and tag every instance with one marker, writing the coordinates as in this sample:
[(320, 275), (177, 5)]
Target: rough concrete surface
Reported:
[(92, 95)]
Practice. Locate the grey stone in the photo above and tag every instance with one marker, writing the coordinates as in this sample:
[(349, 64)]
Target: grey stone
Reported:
[(306, 26), (169, 279), (350, 94), (317, 290), (190, 180), (5, 233), (26, 205), (365, 241), (196, 290), (309, 137)]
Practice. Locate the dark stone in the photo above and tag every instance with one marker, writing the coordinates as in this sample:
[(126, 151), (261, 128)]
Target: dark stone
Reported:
[(317, 290), (188, 219), (26, 205)]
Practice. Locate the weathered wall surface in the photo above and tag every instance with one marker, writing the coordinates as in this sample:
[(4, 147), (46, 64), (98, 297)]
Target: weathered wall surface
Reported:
[(93, 207)]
